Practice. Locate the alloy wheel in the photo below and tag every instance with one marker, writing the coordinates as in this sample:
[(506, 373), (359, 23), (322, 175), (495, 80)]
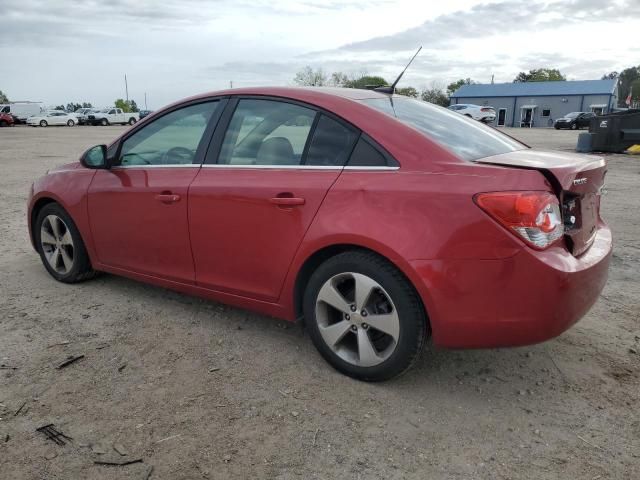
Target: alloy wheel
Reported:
[(357, 319), (57, 244)]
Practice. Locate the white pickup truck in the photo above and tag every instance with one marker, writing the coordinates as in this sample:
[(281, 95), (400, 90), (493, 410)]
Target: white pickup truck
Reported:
[(110, 116)]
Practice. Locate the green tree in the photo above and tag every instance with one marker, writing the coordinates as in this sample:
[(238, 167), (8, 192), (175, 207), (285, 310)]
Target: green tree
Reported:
[(435, 95), (626, 78), (59, 107), (308, 77), (125, 106), (540, 75), (610, 76), (407, 92), (86, 105), (72, 107), (366, 81), (635, 93), (453, 86), (338, 79), (3, 98)]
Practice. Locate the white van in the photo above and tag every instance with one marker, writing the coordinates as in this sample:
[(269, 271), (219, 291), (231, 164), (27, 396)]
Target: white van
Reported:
[(22, 110)]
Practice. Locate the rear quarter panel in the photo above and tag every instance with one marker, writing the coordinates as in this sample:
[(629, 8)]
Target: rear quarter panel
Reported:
[(410, 215)]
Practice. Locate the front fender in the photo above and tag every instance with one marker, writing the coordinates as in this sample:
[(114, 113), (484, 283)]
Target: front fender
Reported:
[(68, 186)]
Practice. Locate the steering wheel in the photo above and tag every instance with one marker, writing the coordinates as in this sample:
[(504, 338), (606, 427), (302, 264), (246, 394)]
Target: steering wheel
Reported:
[(181, 153)]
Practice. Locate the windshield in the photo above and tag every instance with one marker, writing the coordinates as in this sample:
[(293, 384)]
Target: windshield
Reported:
[(572, 115), (105, 110), (465, 137)]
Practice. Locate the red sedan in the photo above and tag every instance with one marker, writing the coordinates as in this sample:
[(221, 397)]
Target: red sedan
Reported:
[(378, 219)]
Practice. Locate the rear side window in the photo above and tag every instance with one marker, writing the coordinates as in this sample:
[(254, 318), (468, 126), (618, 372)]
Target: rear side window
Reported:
[(365, 154), (331, 144), (266, 132), (465, 137)]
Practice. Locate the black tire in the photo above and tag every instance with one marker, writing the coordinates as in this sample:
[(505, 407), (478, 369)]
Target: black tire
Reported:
[(132, 121), (81, 269), (104, 122), (557, 128), (574, 126), (414, 328), (3, 123), (43, 123), (70, 123)]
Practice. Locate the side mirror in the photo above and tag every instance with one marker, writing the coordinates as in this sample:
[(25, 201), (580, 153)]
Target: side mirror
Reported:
[(95, 157)]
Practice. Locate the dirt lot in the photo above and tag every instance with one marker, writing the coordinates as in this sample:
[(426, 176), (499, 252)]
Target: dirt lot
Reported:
[(200, 390)]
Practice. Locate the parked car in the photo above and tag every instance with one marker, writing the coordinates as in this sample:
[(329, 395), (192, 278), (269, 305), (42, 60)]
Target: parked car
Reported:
[(22, 110), (574, 120), (380, 220), (82, 113), (144, 113), (112, 116), (53, 117), (6, 120), (477, 112)]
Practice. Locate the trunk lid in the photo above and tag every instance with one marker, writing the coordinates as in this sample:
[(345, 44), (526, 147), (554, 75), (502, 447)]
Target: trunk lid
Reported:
[(578, 181)]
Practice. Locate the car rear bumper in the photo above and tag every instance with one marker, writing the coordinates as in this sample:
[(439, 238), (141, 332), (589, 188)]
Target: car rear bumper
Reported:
[(525, 299)]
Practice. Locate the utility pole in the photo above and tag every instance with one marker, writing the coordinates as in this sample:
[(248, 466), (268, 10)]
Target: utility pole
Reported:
[(145, 101), (230, 83), (126, 87)]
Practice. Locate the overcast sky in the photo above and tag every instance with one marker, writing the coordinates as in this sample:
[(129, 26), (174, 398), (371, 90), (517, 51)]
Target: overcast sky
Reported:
[(58, 51)]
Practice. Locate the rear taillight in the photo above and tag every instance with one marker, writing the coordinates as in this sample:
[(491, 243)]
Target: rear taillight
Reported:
[(533, 216)]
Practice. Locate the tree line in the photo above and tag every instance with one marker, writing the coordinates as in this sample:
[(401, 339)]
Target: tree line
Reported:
[(628, 81)]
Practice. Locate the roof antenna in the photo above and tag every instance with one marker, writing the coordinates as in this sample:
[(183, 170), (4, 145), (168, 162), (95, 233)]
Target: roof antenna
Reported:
[(392, 89)]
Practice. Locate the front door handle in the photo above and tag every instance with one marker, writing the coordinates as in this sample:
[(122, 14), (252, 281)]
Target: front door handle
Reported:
[(167, 197), (287, 201)]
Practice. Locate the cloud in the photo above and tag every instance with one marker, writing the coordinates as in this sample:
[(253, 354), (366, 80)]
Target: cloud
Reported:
[(498, 18)]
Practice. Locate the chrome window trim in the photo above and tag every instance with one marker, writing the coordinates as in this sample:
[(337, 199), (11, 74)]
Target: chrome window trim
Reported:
[(272, 167), (376, 168), (186, 165), (260, 167)]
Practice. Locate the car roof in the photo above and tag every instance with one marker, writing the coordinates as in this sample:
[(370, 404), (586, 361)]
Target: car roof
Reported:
[(299, 92)]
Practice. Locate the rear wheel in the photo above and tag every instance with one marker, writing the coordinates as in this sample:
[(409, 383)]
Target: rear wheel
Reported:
[(60, 245), (132, 121), (70, 123), (43, 123), (364, 317), (574, 126)]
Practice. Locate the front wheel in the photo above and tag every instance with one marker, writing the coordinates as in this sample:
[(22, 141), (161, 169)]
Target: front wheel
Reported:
[(43, 123), (70, 123), (104, 122), (364, 317), (60, 245), (574, 126), (3, 123)]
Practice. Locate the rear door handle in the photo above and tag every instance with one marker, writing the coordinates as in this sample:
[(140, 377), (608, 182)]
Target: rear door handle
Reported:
[(287, 201), (167, 198)]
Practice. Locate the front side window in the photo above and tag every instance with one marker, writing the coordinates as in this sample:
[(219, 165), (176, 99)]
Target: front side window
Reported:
[(466, 138), (172, 139), (266, 132)]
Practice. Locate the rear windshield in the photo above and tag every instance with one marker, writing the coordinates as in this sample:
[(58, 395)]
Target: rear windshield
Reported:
[(467, 138)]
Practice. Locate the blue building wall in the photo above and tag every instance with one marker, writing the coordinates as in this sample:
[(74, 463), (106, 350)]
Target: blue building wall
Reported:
[(558, 106)]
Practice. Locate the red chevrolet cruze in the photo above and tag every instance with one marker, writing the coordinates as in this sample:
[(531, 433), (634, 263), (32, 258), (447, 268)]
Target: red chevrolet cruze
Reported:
[(377, 218)]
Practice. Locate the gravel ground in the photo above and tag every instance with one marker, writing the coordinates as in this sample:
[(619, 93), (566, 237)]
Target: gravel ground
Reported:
[(200, 390)]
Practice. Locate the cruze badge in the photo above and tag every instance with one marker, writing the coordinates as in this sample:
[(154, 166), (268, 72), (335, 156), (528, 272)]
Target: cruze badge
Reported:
[(580, 181)]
